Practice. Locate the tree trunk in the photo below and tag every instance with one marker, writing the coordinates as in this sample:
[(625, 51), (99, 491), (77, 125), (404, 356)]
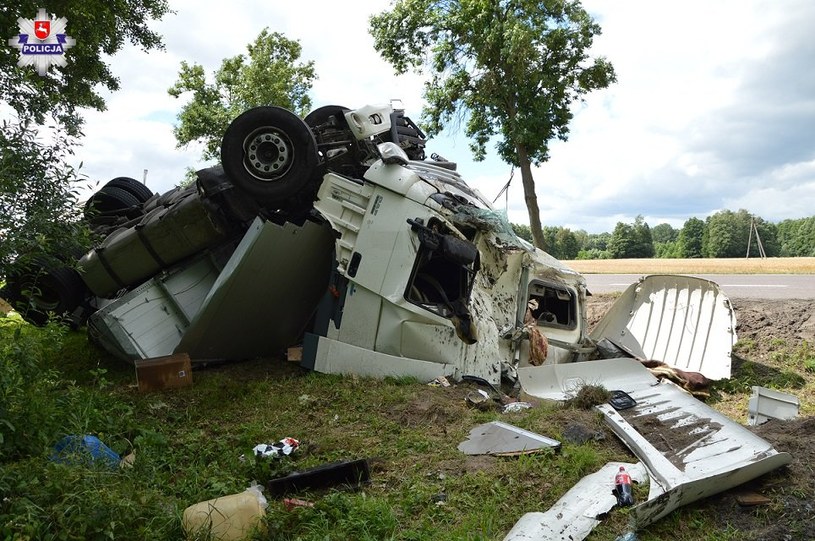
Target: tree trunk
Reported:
[(530, 197)]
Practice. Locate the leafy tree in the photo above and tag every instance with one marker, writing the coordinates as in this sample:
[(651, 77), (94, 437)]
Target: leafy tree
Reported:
[(100, 29), (691, 238), (664, 233), (622, 241), (38, 210), (631, 240), (523, 231), (567, 244), (549, 240), (729, 233), (270, 74), (796, 238), (598, 241), (643, 242), (768, 234), (667, 250), (37, 195), (593, 253), (510, 69), (582, 238)]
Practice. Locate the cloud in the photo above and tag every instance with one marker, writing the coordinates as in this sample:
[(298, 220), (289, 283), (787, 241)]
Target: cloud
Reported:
[(713, 106)]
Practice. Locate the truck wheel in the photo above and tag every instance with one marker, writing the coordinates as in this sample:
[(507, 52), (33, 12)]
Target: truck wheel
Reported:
[(270, 154), (323, 114), (110, 200), (133, 187), (36, 294)]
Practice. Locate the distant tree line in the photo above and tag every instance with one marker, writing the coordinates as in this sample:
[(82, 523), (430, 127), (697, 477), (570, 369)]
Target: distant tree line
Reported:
[(721, 235)]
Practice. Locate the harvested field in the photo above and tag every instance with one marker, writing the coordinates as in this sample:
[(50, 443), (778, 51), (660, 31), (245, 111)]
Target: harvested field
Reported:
[(772, 265)]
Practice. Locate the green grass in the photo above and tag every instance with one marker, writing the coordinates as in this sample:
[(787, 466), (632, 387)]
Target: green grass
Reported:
[(194, 444)]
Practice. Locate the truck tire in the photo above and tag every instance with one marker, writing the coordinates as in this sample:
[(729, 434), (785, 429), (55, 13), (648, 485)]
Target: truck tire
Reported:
[(321, 115), (270, 154), (133, 187), (37, 293), (108, 201)]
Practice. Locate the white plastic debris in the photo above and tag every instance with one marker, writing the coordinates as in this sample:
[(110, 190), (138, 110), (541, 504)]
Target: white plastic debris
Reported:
[(284, 447)]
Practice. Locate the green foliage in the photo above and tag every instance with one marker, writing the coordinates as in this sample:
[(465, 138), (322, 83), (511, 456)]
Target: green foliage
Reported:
[(597, 241), (643, 242), (559, 242), (631, 240), (796, 238), (270, 74), (523, 231), (37, 407), (567, 245), (691, 238), (729, 233), (100, 29), (48, 501), (38, 196), (593, 253), (26, 386), (664, 233), (667, 250), (506, 70)]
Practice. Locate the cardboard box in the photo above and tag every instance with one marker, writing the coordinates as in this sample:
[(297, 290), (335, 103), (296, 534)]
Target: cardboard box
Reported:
[(164, 372)]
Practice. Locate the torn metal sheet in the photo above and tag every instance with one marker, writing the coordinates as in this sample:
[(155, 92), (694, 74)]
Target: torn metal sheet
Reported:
[(502, 439), (683, 321), (560, 382), (766, 404), (691, 451), (577, 513)]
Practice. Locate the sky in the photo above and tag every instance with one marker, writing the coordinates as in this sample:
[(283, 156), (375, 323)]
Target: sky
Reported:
[(713, 108)]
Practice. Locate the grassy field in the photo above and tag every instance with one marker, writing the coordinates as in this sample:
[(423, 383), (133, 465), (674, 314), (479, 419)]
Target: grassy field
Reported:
[(771, 265), (195, 443)]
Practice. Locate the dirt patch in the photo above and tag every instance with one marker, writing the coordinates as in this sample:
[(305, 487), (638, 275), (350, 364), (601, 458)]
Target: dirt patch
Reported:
[(768, 323), (671, 442), (432, 408)]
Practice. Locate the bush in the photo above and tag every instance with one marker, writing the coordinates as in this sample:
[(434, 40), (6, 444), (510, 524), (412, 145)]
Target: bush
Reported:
[(28, 411)]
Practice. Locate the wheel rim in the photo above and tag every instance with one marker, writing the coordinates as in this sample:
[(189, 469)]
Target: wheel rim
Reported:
[(268, 154)]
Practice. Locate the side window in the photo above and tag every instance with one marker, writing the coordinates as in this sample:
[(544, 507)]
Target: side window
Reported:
[(444, 270), (552, 305)]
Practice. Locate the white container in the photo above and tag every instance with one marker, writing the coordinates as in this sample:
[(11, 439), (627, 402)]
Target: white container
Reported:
[(229, 518)]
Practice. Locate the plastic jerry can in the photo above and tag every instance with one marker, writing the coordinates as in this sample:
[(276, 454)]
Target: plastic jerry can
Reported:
[(228, 518)]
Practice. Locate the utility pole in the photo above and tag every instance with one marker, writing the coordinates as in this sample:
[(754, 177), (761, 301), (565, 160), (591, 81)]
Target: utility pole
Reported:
[(144, 178), (754, 227)]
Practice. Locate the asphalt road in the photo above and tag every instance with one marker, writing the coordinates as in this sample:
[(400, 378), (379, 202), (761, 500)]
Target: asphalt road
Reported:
[(749, 286)]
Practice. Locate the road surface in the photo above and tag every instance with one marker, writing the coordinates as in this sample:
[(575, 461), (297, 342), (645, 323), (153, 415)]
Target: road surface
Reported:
[(749, 286)]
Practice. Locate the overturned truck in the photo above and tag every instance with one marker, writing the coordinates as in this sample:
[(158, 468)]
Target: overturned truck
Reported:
[(337, 232)]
